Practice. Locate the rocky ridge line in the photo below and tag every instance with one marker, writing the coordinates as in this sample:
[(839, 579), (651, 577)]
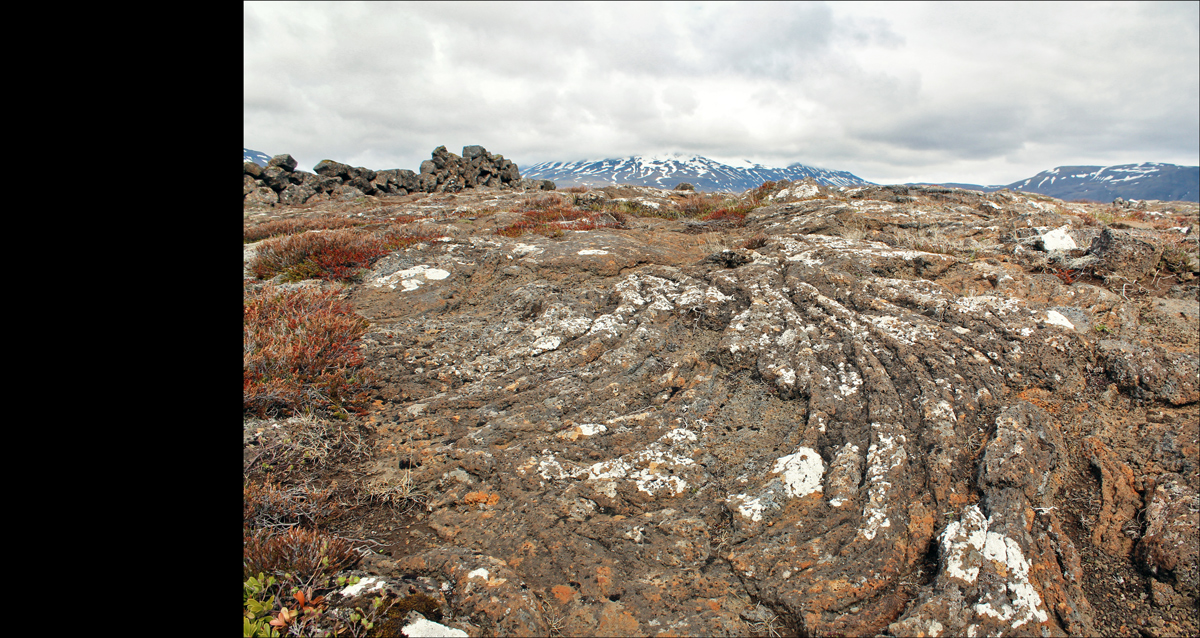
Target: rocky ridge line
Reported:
[(280, 183)]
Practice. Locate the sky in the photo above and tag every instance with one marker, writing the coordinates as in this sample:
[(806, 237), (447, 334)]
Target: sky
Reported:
[(982, 93)]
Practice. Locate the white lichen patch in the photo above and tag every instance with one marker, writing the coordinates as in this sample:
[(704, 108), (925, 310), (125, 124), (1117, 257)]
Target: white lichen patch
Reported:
[(478, 573), (968, 547), (546, 466), (1059, 239), (581, 430), (592, 251), (422, 628), (522, 250), (546, 344), (802, 472), (409, 279), (906, 332), (962, 544), (1000, 306), (679, 434), (883, 456), (367, 584), (650, 469), (1056, 318), (747, 506)]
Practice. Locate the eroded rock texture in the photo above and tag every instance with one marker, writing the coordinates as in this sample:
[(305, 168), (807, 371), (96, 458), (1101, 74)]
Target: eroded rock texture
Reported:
[(895, 415)]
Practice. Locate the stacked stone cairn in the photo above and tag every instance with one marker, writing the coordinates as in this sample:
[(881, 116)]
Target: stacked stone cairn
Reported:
[(280, 183)]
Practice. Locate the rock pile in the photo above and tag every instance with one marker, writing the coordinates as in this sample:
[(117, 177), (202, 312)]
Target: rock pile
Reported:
[(280, 183)]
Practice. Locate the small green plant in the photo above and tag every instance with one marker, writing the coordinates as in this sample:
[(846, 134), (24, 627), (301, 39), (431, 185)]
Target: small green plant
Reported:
[(259, 606), (1101, 328)]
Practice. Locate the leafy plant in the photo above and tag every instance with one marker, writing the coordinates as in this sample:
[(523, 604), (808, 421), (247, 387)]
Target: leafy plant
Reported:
[(259, 606)]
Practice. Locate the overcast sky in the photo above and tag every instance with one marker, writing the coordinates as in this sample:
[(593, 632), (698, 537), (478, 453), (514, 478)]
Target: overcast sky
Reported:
[(892, 92)]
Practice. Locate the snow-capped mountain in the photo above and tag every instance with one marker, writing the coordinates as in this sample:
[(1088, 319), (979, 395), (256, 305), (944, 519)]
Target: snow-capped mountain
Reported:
[(666, 172), (1167, 182), (258, 157)]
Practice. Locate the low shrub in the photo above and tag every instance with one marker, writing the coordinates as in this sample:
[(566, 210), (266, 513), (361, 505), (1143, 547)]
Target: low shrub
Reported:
[(732, 215), (298, 556), (551, 215), (300, 352), (338, 255), (755, 242), (700, 205), (271, 505), (278, 227), (756, 196)]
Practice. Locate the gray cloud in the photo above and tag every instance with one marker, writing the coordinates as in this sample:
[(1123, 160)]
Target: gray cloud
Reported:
[(932, 91)]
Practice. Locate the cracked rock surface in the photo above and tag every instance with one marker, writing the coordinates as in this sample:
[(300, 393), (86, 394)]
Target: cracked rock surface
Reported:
[(897, 414)]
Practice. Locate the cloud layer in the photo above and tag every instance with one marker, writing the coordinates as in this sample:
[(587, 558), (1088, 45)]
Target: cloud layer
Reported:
[(985, 93)]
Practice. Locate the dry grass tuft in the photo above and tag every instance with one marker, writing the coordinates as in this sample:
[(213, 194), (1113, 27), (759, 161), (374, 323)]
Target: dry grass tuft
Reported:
[(402, 493), (267, 505)]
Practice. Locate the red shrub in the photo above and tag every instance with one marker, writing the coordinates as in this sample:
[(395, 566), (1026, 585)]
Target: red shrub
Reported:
[(734, 216), (332, 255), (302, 554), (279, 227), (299, 351)]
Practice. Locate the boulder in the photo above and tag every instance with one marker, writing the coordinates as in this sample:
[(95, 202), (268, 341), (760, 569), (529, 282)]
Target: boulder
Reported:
[(296, 194), (261, 197), (1168, 550), (330, 168), (275, 177), (284, 161), (1123, 254)]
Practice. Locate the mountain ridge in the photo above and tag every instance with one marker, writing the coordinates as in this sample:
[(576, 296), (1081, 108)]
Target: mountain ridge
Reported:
[(666, 172), (1148, 180)]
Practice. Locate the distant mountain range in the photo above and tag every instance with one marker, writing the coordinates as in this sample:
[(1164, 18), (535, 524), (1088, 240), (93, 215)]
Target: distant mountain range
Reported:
[(1149, 180), (258, 157), (667, 172), (1167, 182)]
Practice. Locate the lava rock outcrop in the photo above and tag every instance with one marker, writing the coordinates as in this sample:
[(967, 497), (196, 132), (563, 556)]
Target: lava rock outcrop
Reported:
[(896, 414)]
